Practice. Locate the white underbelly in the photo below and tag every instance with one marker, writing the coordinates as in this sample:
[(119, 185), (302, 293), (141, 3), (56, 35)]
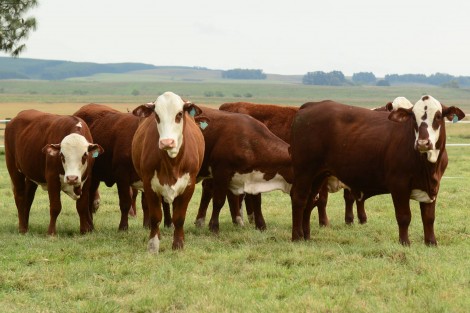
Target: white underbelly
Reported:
[(254, 183), (421, 196)]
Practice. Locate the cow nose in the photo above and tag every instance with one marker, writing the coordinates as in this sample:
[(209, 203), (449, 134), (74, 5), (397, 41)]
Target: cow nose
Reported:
[(72, 179), (423, 144), (166, 144)]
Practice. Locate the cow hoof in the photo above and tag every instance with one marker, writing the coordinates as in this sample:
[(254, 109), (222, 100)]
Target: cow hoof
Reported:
[(200, 222), (132, 212), (239, 221), (170, 225), (251, 218), (153, 245), (177, 245)]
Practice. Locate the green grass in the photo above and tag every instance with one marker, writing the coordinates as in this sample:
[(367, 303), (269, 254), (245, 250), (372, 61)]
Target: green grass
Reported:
[(358, 268)]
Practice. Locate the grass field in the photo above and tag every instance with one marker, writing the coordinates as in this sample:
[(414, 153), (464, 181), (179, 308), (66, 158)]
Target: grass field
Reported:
[(357, 268)]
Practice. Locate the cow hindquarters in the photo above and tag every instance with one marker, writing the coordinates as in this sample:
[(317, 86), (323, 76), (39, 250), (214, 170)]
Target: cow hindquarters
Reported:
[(428, 216)]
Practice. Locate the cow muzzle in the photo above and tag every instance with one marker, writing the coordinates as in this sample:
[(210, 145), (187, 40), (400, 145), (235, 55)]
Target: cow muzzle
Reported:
[(166, 144), (72, 180), (423, 145)]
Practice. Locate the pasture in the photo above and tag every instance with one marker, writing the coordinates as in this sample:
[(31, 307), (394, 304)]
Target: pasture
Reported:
[(357, 268)]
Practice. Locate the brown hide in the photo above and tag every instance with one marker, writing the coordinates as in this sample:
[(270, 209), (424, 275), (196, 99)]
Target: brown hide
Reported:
[(25, 137), (367, 152), (148, 160), (113, 130), (238, 143)]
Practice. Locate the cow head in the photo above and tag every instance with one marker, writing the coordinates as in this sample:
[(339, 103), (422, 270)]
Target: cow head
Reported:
[(73, 150), (169, 111), (428, 115)]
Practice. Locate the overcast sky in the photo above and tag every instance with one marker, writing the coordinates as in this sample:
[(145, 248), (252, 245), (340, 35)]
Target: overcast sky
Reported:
[(277, 36)]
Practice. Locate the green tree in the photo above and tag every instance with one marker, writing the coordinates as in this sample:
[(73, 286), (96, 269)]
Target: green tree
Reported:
[(14, 27), (364, 78)]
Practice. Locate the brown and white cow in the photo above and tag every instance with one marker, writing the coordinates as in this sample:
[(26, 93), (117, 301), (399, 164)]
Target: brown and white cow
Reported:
[(167, 153), (55, 152), (401, 153), (242, 156)]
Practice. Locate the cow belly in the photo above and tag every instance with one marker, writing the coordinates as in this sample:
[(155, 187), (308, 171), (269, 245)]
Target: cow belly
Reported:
[(254, 183), (169, 193), (421, 196)]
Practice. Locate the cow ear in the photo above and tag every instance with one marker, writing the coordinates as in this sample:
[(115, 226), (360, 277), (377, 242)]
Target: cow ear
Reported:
[(389, 107), (202, 121), (400, 115), (452, 113), (192, 109), (51, 149), (95, 149), (144, 110)]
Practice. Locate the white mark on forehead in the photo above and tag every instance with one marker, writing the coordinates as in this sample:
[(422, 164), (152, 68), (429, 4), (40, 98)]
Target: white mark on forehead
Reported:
[(401, 102), (426, 105), (79, 125), (168, 105)]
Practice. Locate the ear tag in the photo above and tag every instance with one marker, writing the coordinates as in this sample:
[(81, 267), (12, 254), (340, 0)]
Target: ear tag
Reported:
[(192, 112), (455, 119), (203, 125), (95, 154)]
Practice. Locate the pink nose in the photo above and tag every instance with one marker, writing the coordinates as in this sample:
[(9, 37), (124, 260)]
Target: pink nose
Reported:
[(72, 179), (423, 144), (166, 144)]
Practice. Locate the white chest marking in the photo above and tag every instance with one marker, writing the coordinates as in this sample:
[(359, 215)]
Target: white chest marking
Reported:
[(169, 193), (254, 183), (139, 185), (421, 196)]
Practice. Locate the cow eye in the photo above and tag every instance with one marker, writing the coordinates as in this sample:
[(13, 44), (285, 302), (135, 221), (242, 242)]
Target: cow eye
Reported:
[(179, 116), (157, 118), (84, 157), (62, 157)]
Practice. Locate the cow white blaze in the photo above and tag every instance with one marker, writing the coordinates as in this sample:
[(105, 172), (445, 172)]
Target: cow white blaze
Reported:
[(428, 116), (169, 193), (169, 110)]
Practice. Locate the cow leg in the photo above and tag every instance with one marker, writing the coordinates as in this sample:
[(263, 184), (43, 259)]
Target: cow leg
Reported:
[(145, 210), (234, 205), (95, 199), (133, 209), (19, 191), (220, 188), (248, 207), (321, 205), (403, 216), (155, 217), (361, 211), (348, 206), (125, 202), (167, 222), (255, 204), (54, 209), (83, 209), (30, 191), (206, 197), (180, 206), (428, 216)]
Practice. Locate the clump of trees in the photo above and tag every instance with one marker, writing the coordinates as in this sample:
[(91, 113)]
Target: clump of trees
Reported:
[(334, 78), (239, 73), (364, 78), (14, 27)]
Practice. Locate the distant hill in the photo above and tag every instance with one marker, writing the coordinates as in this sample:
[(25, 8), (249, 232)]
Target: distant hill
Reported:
[(19, 68)]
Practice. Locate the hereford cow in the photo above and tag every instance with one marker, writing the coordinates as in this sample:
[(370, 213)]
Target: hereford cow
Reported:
[(402, 153), (167, 153), (56, 153), (114, 131), (242, 156)]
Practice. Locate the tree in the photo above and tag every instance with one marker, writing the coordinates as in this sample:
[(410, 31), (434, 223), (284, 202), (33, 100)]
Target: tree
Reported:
[(383, 82), (14, 28), (334, 78), (364, 78)]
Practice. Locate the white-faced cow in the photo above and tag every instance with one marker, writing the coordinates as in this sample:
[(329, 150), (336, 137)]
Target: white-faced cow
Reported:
[(55, 152), (401, 153), (167, 153)]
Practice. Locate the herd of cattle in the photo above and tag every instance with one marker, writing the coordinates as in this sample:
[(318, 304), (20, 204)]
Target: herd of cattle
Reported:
[(238, 152)]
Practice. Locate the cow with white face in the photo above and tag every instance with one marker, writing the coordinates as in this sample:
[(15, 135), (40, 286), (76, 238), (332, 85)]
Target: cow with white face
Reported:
[(167, 153), (55, 152), (360, 148)]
